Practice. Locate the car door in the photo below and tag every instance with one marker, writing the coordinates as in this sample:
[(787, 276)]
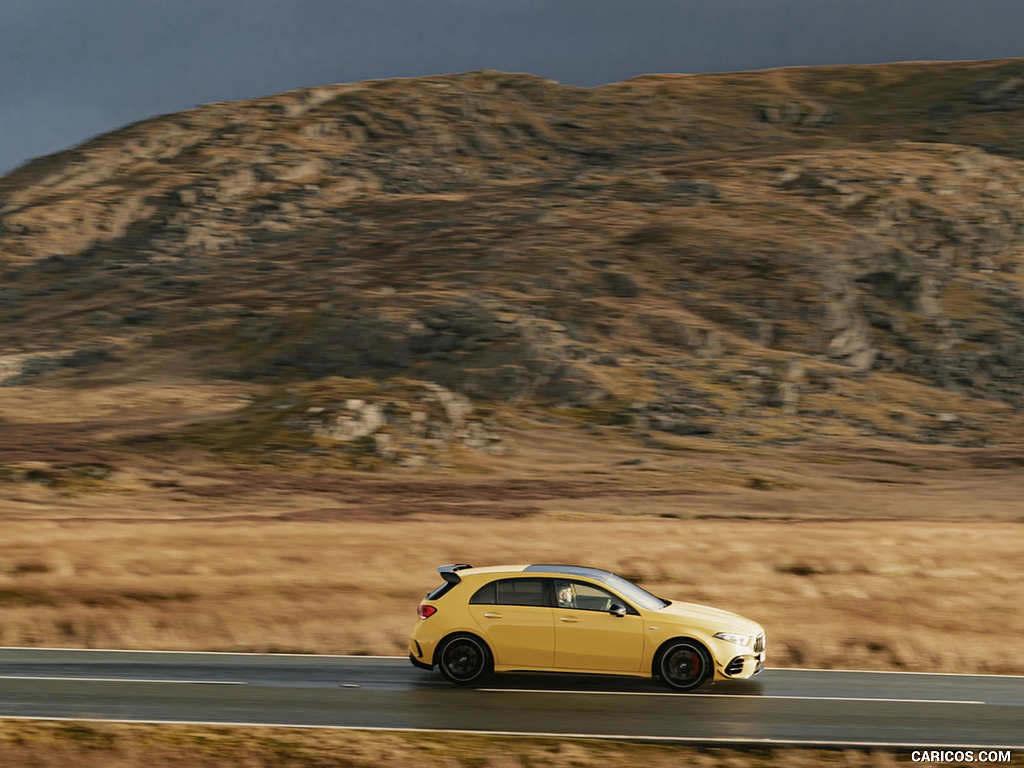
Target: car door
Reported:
[(588, 637), (517, 621)]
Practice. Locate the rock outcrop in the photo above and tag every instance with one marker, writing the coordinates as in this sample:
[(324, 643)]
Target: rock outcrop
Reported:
[(408, 431)]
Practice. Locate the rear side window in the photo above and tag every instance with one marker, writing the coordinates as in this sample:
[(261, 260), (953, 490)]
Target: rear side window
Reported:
[(521, 592), (513, 592), (484, 595)]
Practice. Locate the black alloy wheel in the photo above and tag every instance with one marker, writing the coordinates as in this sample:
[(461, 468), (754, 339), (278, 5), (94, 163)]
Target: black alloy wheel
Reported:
[(464, 659), (685, 665)]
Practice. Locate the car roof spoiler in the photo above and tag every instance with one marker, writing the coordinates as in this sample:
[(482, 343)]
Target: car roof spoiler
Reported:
[(448, 572)]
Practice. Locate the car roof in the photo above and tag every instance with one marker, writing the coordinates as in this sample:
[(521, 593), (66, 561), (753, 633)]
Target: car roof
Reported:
[(548, 568), (570, 570), (492, 569)]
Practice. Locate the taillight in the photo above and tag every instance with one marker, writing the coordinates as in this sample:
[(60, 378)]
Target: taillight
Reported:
[(426, 611)]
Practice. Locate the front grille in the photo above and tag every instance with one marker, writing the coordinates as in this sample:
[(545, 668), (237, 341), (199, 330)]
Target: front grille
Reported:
[(735, 666), (759, 643)]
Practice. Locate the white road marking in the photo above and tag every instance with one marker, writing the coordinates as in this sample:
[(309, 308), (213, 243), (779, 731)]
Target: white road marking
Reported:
[(893, 672), (121, 680), (541, 734), (727, 696)]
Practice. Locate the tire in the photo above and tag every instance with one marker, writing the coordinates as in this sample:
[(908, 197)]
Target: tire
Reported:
[(684, 665), (464, 659)]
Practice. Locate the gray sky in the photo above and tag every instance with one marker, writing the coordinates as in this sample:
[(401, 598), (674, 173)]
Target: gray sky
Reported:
[(71, 69)]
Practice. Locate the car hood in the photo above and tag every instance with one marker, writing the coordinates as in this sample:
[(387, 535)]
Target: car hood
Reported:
[(712, 619)]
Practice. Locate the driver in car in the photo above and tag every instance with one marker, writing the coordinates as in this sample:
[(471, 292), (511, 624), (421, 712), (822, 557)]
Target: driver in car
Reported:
[(566, 598)]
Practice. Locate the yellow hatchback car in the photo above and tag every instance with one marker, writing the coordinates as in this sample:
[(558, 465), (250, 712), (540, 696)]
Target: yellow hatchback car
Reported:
[(572, 619)]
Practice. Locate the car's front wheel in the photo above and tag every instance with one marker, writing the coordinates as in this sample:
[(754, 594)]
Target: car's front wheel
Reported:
[(464, 659), (684, 665)]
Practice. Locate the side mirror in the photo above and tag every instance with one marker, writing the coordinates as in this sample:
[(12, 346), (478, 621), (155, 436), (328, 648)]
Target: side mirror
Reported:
[(617, 609)]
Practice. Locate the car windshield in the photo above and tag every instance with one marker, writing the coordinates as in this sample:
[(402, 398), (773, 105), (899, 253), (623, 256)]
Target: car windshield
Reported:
[(633, 593)]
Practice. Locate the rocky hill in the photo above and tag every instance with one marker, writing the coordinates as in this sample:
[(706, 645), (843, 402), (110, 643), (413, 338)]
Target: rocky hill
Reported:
[(763, 256)]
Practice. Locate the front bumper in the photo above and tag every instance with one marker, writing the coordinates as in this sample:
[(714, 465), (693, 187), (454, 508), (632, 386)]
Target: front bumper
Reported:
[(743, 665)]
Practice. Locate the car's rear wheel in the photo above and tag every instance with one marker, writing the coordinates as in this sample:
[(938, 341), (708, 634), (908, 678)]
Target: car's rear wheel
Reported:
[(464, 659), (684, 665)]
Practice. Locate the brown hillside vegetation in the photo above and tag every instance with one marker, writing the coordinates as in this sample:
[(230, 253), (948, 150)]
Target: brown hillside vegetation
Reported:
[(758, 256)]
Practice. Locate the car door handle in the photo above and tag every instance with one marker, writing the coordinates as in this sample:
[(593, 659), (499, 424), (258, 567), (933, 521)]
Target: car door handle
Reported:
[(493, 616), (570, 619)]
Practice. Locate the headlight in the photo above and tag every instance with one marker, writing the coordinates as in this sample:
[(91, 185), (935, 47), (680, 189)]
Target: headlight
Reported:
[(729, 637)]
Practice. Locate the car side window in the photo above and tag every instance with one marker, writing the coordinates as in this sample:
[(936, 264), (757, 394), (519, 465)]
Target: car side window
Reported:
[(586, 597), (484, 596), (519, 592)]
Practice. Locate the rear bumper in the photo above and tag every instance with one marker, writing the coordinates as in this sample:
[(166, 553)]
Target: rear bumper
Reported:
[(421, 664)]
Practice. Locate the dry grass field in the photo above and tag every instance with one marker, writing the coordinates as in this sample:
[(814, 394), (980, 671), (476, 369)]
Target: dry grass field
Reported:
[(896, 594), (853, 554), (92, 745)]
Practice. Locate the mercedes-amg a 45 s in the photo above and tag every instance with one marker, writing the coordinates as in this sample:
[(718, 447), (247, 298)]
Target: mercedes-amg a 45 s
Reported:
[(572, 619)]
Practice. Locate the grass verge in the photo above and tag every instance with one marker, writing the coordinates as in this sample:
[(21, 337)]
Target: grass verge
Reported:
[(42, 744)]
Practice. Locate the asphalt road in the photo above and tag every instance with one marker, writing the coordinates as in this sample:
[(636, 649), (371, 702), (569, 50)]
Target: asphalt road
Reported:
[(780, 706)]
